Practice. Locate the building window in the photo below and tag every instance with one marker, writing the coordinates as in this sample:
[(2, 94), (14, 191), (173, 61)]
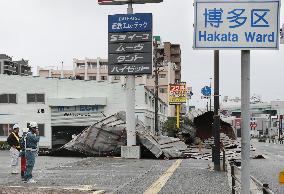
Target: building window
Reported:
[(92, 78), (5, 129), (103, 77), (8, 98), (35, 98), (146, 98), (163, 90), (162, 75), (116, 77), (80, 65), (104, 67), (40, 129)]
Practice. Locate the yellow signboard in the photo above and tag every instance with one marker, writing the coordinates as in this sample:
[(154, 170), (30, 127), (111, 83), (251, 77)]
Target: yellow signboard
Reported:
[(281, 177), (177, 93)]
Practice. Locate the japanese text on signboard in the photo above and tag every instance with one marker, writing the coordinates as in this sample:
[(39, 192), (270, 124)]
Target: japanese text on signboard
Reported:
[(177, 93), (236, 24), (130, 44), (139, 22)]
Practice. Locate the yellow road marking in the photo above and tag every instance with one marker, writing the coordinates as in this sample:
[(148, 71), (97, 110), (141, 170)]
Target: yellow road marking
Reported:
[(99, 192), (162, 180)]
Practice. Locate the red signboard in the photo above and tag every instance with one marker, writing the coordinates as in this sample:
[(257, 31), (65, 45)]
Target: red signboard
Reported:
[(253, 125), (121, 2)]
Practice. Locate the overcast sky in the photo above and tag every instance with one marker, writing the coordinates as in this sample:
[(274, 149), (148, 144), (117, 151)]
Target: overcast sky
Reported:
[(47, 32)]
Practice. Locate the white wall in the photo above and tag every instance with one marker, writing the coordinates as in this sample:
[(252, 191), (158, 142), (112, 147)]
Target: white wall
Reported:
[(22, 113)]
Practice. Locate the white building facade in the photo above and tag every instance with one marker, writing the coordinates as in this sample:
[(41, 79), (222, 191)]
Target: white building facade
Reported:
[(63, 107)]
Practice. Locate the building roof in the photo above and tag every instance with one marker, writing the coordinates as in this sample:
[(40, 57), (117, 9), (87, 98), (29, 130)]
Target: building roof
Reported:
[(22, 62), (4, 56)]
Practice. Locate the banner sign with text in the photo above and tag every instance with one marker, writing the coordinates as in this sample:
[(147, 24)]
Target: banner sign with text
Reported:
[(177, 93), (130, 47), (130, 37), (236, 24), (126, 69), (115, 2), (139, 22), (130, 44)]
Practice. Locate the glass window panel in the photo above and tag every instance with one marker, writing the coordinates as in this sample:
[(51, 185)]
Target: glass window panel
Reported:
[(40, 98), (4, 98), (41, 129), (31, 98), (13, 98)]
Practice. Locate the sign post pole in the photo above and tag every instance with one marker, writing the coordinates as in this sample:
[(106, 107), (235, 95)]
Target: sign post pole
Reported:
[(178, 110), (216, 122), (156, 88), (130, 102), (245, 101)]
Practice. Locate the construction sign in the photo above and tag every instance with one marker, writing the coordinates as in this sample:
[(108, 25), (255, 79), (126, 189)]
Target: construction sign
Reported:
[(177, 93)]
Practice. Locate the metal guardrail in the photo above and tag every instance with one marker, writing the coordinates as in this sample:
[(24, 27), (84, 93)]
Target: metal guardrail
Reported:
[(265, 188), (235, 187)]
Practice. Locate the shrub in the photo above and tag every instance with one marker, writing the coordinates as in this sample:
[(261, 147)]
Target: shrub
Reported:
[(4, 145)]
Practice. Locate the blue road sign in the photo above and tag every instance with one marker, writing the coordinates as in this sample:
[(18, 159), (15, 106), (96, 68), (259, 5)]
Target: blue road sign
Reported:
[(206, 91), (139, 22)]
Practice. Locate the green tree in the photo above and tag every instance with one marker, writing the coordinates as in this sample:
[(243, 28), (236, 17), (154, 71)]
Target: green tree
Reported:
[(169, 127)]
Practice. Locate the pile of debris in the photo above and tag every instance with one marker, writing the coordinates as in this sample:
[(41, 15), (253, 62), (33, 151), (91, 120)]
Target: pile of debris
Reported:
[(106, 137), (203, 126), (204, 150)]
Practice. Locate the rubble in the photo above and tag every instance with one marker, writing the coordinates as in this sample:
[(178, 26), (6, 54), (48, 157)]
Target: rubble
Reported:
[(232, 149), (106, 137), (203, 126)]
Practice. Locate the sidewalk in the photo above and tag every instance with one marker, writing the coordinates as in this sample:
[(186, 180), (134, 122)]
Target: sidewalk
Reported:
[(116, 175), (193, 176)]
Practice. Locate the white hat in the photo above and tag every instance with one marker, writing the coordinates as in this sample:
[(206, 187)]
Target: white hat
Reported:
[(33, 125), (25, 130), (16, 126)]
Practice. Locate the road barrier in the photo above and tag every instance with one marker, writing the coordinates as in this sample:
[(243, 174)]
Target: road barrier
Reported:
[(236, 181)]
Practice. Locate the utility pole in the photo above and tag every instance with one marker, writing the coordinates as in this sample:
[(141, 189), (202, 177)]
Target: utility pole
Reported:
[(210, 95), (280, 126), (61, 74), (216, 121), (156, 86), (207, 106), (245, 102)]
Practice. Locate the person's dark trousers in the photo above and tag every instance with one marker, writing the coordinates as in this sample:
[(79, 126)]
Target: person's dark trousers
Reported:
[(30, 157)]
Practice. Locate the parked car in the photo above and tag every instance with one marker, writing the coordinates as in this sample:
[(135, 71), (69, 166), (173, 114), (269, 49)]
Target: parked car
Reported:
[(262, 139)]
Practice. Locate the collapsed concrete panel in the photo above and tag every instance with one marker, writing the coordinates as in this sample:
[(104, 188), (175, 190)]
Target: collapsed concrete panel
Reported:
[(106, 137)]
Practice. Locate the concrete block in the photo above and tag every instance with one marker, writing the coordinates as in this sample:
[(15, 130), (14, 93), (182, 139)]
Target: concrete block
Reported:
[(131, 152)]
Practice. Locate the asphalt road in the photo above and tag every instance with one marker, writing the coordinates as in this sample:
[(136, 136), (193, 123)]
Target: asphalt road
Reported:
[(267, 170), (116, 175)]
